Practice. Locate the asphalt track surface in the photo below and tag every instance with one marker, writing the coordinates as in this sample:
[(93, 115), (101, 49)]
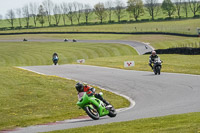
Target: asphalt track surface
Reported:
[(154, 95)]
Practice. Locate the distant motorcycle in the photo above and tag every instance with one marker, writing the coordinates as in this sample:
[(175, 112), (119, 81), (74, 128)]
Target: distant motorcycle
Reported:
[(55, 58), (157, 65)]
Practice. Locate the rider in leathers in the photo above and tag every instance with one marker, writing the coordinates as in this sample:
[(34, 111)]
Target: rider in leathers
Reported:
[(152, 57), (90, 91)]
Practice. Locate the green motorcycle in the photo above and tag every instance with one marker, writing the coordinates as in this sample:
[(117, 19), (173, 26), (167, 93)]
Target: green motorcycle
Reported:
[(94, 107)]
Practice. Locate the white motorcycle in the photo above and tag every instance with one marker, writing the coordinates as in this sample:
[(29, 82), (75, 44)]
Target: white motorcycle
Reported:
[(157, 65)]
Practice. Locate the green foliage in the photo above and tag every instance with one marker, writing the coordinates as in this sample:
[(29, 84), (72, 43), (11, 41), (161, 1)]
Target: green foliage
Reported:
[(168, 7), (100, 11), (135, 7)]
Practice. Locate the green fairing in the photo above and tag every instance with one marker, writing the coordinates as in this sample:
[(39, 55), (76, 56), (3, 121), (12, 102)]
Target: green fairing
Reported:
[(90, 101)]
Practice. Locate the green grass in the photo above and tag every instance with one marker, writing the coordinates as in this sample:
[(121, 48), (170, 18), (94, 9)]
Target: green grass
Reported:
[(184, 123), (40, 53), (157, 41), (177, 26), (189, 64)]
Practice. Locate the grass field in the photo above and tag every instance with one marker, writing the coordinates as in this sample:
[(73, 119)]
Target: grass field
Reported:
[(40, 53), (176, 26), (157, 41), (184, 123)]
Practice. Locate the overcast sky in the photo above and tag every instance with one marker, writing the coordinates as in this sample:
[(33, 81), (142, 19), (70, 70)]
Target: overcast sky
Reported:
[(6, 5)]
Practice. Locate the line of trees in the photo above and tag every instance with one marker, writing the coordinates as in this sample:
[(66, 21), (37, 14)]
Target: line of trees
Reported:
[(47, 11)]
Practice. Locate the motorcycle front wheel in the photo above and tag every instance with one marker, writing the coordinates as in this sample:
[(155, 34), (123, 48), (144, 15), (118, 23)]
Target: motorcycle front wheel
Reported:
[(158, 70), (112, 112), (93, 113)]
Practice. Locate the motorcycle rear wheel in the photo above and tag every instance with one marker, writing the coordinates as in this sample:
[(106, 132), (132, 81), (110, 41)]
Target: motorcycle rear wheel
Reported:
[(93, 113)]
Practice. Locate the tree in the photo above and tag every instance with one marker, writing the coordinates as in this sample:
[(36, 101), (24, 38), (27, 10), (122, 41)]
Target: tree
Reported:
[(168, 7), (34, 12), (119, 9), (41, 15), (178, 5), (87, 12), (57, 13), (135, 7), (185, 7), (64, 11), (100, 11), (152, 8), (19, 15), (194, 6), (10, 17), (78, 7), (109, 8), (48, 6), (26, 15), (70, 13), (1, 17)]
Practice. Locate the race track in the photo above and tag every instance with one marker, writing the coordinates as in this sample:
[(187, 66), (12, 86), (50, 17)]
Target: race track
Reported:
[(154, 95)]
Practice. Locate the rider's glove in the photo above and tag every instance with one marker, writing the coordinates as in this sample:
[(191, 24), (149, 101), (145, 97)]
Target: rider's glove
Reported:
[(93, 90)]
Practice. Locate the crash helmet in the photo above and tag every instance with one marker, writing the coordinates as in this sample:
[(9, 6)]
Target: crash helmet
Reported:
[(153, 53), (79, 87)]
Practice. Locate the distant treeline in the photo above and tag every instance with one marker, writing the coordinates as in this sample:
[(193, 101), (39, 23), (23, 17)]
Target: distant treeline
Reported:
[(53, 14)]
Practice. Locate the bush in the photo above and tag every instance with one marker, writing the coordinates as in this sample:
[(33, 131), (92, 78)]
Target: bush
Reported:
[(144, 20), (131, 21), (30, 26), (177, 17), (160, 19), (11, 28), (169, 18), (112, 21), (53, 25), (4, 28), (18, 27), (196, 16), (123, 21)]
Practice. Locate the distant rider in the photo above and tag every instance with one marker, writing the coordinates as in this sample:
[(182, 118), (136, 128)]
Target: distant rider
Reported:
[(152, 58), (90, 91), (55, 57)]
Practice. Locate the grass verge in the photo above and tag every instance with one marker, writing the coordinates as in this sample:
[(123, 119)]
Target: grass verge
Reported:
[(184, 123), (171, 63)]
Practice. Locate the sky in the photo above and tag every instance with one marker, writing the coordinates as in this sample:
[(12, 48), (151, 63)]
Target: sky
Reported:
[(6, 5)]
